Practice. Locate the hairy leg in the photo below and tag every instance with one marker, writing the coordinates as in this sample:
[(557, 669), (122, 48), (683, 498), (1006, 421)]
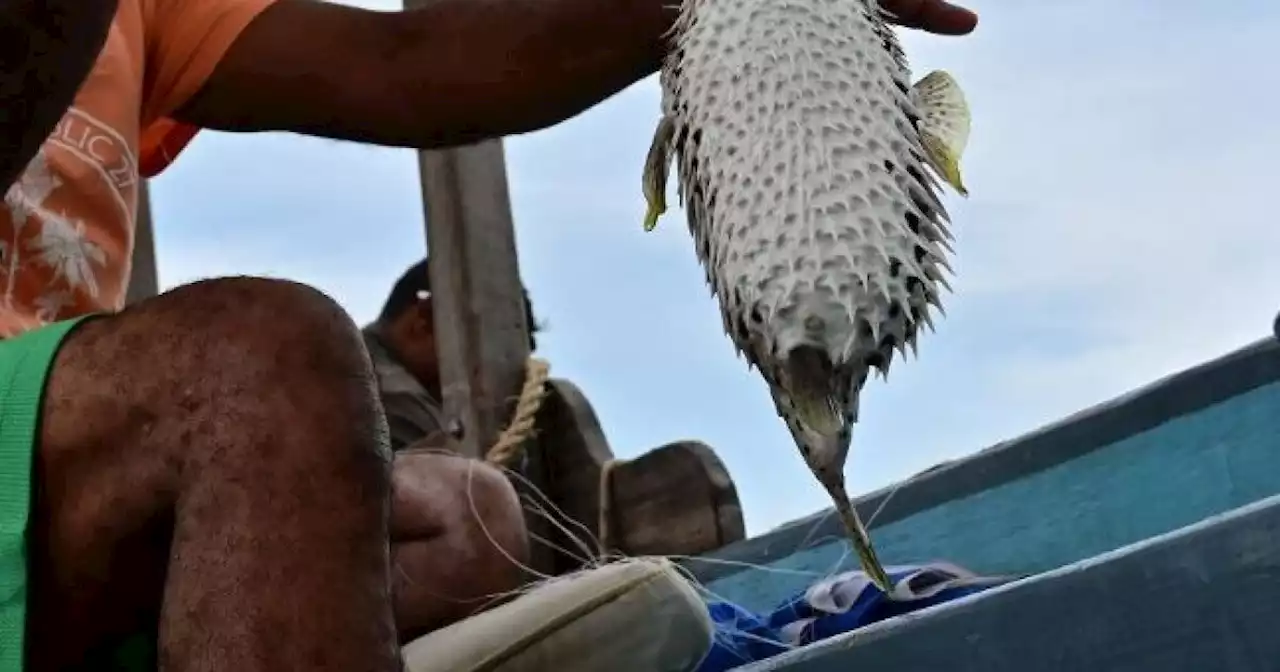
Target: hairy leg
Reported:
[(459, 539), (215, 457)]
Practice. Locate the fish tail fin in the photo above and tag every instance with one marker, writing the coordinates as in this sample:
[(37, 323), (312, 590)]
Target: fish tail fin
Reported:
[(944, 125), (656, 165)]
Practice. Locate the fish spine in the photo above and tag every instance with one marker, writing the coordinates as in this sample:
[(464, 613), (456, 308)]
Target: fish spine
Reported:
[(803, 177)]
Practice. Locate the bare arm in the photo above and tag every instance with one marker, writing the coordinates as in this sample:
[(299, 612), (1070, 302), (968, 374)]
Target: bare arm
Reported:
[(47, 48), (450, 71)]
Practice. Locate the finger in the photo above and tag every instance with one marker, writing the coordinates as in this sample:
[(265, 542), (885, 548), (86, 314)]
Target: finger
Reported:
[(935, 16)]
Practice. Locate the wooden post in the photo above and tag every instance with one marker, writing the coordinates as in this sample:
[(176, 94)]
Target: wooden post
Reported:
[(481, 334), (143, 279), (478, 300)]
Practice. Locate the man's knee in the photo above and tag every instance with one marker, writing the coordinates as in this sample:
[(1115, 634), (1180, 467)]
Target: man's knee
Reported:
[(458, 538), (498, 517), (270, 326), (230, 391), (438, 494), (212, 368), (215, 331), (229, 374), (285, 355)]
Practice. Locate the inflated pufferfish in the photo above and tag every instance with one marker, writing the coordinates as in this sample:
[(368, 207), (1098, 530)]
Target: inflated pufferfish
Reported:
[(801, 149)]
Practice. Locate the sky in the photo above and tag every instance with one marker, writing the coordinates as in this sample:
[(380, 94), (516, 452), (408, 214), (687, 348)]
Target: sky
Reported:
[(1119, 229)]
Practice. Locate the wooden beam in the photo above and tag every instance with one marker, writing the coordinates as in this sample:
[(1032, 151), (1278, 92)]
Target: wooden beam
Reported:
[(481, 334), (676, 499), (1198, 599), (143, 279), (481, 337)]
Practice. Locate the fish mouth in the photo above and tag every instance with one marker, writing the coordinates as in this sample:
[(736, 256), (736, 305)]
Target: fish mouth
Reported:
[(821, 420), (810, 379)]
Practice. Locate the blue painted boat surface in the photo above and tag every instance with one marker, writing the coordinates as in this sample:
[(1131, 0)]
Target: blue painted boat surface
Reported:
[(1198, 443), (1200, 599)]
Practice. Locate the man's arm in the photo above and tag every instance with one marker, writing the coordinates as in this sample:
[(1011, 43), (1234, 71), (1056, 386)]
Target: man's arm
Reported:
[(47, 48), (452, 71)]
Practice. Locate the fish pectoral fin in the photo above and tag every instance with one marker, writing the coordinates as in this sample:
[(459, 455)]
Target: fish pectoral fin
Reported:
[(944, 125), (656, 165), (943, 161)]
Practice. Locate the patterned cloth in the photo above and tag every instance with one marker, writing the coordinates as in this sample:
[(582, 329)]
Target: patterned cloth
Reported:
[(67, 224), (836, 605)]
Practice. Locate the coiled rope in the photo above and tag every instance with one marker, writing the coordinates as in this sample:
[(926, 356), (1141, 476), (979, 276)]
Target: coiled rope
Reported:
[(511, 442)]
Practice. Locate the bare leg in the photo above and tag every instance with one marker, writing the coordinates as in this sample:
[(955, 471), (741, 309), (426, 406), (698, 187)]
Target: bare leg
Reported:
[(215, 457), (459, 539)]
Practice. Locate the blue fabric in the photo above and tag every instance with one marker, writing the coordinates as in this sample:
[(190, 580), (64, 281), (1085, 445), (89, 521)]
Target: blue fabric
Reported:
[(837, 605)]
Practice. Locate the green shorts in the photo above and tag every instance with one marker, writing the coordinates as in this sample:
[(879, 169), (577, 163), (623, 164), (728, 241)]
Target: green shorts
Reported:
[(24, 367)]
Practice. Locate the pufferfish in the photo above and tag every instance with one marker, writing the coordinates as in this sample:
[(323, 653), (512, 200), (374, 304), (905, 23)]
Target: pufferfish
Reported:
[(808, 168)]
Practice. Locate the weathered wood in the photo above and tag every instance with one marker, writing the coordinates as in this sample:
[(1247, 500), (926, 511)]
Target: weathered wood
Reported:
[(677, 499), (577, 451), (481, 335), (143, 279), (1198, 599)]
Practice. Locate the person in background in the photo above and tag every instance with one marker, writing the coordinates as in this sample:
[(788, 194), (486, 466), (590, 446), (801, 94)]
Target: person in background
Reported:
[(402, 346), (459, 559), (210, 466)]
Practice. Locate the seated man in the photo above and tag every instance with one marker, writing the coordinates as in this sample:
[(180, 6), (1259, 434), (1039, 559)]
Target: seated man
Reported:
[(447, 586), (214, 460), (402, 346)]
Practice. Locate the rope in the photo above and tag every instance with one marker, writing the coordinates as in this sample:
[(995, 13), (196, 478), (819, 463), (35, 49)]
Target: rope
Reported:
[(511, 441), (604, 524)]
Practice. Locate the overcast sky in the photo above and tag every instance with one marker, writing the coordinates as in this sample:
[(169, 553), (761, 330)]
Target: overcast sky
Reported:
[(1120, 228)]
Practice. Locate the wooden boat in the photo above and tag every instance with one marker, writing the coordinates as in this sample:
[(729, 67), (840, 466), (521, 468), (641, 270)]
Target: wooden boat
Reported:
[(1148, 526)]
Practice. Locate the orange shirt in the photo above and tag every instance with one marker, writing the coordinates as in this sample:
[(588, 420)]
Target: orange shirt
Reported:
[(67, 226)]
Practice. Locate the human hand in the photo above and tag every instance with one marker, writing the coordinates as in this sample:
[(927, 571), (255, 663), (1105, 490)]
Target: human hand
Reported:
[(934, 16)]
